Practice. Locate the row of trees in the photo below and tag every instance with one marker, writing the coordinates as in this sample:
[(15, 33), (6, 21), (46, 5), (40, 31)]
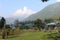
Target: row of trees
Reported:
[(38, 23), (35, 24)]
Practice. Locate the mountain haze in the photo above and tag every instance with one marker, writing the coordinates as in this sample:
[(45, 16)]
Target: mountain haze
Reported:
[(51, 11)]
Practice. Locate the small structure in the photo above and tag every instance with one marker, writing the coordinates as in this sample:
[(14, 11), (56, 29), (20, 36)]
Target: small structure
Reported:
[(51, 26)]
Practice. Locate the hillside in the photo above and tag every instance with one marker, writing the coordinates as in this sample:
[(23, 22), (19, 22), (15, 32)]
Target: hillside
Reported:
[(51, 11)]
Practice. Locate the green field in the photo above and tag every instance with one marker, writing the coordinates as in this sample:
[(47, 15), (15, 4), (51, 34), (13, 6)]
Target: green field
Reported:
[(33, 35), (29, 36)]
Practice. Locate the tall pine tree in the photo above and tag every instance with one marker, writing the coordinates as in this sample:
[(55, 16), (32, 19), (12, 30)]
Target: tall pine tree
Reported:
[(2, 22)]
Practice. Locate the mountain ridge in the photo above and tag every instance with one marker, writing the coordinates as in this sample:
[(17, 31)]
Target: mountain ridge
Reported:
[(51, 11)]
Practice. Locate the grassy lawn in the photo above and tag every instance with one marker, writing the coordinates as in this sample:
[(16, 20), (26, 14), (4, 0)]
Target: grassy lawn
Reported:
[(30, 36)]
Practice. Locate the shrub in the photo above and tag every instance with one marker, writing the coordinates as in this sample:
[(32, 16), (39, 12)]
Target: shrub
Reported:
[(54, 36), (35, 28)]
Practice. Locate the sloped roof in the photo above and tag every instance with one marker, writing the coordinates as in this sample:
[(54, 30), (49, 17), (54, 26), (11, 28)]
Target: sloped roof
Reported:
[(51, 24)]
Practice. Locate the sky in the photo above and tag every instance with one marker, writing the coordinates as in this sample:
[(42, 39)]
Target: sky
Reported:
[(22, 8)]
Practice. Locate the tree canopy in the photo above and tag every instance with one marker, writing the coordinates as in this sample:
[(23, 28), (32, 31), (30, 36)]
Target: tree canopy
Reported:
[(38, 23), (44, 0), (2, 22)]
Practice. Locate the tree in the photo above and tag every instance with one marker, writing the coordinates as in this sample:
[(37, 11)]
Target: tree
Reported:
[(2, 22), (48, 20), (38, 23), (44, 0), (16, 23), (6, 31)]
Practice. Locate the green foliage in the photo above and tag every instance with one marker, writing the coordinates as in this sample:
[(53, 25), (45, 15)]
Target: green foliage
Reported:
[(48, 20), (7, 26), (21, 27), (26, 27), (35, 28), (54, 36), (44, 0), (38, 23), (16, 23), (2, 22), (46, 27)]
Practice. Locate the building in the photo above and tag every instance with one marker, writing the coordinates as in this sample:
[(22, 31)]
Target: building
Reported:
[(51, 26)]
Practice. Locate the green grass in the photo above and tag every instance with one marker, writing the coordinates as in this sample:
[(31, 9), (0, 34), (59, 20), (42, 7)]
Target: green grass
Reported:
[(30, 36)]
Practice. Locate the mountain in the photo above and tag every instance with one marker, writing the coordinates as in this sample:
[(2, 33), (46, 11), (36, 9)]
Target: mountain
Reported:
[(11, 20), (51, 11), (0, 17)]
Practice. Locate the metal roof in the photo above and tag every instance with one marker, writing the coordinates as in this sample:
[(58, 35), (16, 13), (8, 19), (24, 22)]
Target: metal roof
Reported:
[(51, 24)]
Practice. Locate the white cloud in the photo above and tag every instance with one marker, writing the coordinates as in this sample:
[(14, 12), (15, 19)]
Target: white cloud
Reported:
[(23, 12), (58, 0)]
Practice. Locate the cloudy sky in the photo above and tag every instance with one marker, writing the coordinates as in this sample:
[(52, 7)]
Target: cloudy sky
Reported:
[(23, 8)]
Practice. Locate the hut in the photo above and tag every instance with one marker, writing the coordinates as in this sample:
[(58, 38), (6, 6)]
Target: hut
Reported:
[(51, 26)]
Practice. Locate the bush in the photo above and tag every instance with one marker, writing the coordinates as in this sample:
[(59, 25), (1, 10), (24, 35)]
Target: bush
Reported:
[(35, 28), (54, 36)]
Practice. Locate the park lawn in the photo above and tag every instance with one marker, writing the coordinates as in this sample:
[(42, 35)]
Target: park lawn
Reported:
[(30, 36)]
